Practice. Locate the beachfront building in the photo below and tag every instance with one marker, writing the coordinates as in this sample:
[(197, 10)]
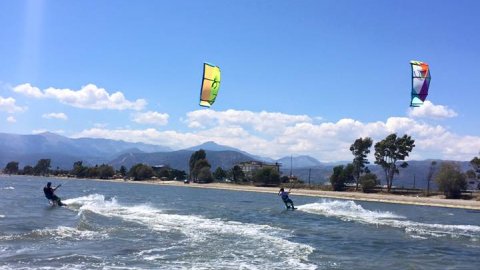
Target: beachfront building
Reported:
[(473, 184), (249, 167)]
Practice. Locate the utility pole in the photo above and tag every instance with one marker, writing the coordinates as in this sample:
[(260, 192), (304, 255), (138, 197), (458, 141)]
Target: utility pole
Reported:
[(430, 175), (309, 172), (291, 165)]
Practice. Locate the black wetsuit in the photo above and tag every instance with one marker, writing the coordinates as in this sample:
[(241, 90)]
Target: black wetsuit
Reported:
[(51, 196)]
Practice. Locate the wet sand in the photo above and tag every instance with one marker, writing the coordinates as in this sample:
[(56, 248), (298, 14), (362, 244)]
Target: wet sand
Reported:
[(373, 197)]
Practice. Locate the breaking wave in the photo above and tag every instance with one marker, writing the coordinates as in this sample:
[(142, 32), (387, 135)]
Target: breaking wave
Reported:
[(350, 211)]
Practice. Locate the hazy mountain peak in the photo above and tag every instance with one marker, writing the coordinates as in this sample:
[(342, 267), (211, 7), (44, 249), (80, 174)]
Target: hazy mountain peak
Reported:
[(299, 161), (212, 146)]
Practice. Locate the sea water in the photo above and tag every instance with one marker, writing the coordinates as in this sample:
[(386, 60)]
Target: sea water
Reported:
[(109, 225)]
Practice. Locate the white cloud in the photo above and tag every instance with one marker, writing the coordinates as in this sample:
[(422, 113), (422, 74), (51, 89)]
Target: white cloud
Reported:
[(29, 90), (60, 116), (150, 117), (11, 119), (430, 110), (269, 122), (8, 105), (88, 97), (327, 141)]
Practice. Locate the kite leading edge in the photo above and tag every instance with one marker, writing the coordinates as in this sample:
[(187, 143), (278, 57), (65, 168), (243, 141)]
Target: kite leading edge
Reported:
[(210, 84), (420, 82)]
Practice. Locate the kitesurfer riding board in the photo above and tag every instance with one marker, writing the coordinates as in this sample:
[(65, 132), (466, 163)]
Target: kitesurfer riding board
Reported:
[(50, 195), (284, 195)]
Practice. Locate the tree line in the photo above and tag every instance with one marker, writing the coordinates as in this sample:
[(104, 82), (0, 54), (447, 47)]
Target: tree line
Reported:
[(137, 172), (390, 154)]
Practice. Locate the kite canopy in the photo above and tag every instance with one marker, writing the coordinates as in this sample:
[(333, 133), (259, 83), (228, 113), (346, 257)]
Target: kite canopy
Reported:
[(420, 82), (210, 84)]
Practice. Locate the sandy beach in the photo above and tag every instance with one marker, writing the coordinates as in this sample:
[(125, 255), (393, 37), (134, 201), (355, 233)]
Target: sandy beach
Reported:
[(373, 197)]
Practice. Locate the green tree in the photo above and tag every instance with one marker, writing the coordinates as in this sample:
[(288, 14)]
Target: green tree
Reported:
[(266, 176), (199, 165), (79, 170), (475, 162), (163, 172), (204, 174), (219, 174), (471, 174), (196, 156), (237, 174), (141, 172), (368, 182), (340, 176), (28, 170), (178, 174), (105, 171), (123, 170), (451, 181), (11, 168), (42, 167), (360, 149), (391, 150), (92, 172)]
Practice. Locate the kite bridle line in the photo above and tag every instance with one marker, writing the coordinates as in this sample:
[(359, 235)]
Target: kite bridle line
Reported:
[(292, 186)]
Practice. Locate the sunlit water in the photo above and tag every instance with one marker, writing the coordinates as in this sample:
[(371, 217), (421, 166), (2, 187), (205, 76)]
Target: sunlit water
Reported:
[(134, 226)]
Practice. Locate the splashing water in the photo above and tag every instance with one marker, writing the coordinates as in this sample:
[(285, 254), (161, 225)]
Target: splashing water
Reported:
[(351, 211)]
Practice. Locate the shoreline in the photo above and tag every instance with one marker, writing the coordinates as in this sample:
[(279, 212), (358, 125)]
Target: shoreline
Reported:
[(344, 195)]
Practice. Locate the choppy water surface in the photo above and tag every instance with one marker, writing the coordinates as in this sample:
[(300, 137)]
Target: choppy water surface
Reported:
[(134, 226)]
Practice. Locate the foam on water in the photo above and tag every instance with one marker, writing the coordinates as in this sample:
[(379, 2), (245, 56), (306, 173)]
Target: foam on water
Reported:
[(229, 242), (8, 188), (59, 233), (350, 211)]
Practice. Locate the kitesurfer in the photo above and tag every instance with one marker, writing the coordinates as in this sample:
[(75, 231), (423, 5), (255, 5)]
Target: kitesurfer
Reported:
[(49, 193), (288, 202)]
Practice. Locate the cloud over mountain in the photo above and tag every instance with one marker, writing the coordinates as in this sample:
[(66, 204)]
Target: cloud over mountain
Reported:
[(298, 135)]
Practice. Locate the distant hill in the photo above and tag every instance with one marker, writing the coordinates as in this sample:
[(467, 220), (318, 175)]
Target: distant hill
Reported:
[(179, 159), (27, 149), (298, 162), (212, 146)]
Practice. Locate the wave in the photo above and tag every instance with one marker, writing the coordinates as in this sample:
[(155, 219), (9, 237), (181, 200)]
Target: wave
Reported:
[(350, 211), (241, 244), (59, 233), (8, 188)]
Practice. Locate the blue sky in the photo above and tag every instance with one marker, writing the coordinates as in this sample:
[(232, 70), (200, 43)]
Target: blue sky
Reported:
[(298, 77)]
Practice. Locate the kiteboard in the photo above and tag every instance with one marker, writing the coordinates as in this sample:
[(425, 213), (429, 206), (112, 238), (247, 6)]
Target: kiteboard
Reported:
[(55, 204)]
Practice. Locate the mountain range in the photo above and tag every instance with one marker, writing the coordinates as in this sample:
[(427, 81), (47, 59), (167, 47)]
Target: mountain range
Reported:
[(64, 151)]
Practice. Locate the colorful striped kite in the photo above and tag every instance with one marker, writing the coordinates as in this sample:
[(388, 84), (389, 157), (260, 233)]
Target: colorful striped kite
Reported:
[(420, 82)]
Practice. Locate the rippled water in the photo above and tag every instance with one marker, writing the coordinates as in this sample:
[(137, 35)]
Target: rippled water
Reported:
[(134, 226)]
